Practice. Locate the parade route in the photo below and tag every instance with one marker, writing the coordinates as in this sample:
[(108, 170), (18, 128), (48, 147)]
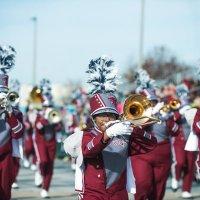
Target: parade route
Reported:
[(62, 187)]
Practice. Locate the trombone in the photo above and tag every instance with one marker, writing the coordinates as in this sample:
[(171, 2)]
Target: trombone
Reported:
[(138, 110)]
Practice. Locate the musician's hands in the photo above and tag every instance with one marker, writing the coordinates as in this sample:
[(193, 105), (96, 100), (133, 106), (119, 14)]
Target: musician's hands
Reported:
[(118, 128), (157, 108)]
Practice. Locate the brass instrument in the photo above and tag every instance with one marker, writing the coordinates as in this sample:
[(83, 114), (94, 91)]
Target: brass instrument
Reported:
[(137, 110), (171, 106), (165, 109), (53, 116), (10, 99), (36, 95), (175, 104), (36, 98), (13, 98)]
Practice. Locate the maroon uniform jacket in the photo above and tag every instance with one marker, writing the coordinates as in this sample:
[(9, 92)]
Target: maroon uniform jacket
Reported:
[(196, 129), (151, 170), (196, 123), (44, 130), (196, 126), (184, 129), (10, 127), (105, 164), (45, 148)]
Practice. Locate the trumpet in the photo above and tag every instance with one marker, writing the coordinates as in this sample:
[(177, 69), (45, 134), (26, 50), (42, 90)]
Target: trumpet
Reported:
[(13, 98), (10, 99), (175, 104), (138, 110), (165, 109), (171, 106), (53, 116)]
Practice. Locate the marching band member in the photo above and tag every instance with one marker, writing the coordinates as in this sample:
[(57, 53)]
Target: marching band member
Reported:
[(70, 124), (16, 143), (183, 165), (29, 151), (105, 147), (11, 124), (34, 106), (45, 140), (156, 164), (196, 123), (168, 91), (75, 117), (192, 143), (77, 112), (196, 129)]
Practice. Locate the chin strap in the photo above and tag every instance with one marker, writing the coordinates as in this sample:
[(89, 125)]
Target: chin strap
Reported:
[(95, 125)]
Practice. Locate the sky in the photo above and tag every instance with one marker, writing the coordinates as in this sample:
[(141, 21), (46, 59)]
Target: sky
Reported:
[(72, 32)]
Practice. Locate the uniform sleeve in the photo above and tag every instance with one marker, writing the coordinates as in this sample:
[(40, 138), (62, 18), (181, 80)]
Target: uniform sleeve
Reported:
[(178, 117), (40, 122), (172, 127), (141, 142), (92, 145), (196, 124), (16, 124)]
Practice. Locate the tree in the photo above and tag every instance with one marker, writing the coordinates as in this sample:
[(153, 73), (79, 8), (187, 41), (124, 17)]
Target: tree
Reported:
[(162, 66)]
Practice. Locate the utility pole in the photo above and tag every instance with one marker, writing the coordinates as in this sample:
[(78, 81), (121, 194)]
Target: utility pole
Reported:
[(141, 39), (34, 70)]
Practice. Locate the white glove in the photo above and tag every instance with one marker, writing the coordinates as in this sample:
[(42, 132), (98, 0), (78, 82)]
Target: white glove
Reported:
[(118, 128), (110, 123), (157, 107)]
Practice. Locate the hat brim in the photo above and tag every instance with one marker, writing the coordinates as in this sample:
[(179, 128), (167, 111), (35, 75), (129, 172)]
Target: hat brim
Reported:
[(105, 110), (4, 89)]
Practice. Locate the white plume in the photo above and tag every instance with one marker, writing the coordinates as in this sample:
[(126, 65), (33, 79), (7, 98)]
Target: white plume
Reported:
[(7, 58), (143, 80), (103, 76), (45, 86)]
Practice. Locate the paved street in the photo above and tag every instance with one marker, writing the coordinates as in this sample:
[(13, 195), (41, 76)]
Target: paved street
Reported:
[(62, 187)]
